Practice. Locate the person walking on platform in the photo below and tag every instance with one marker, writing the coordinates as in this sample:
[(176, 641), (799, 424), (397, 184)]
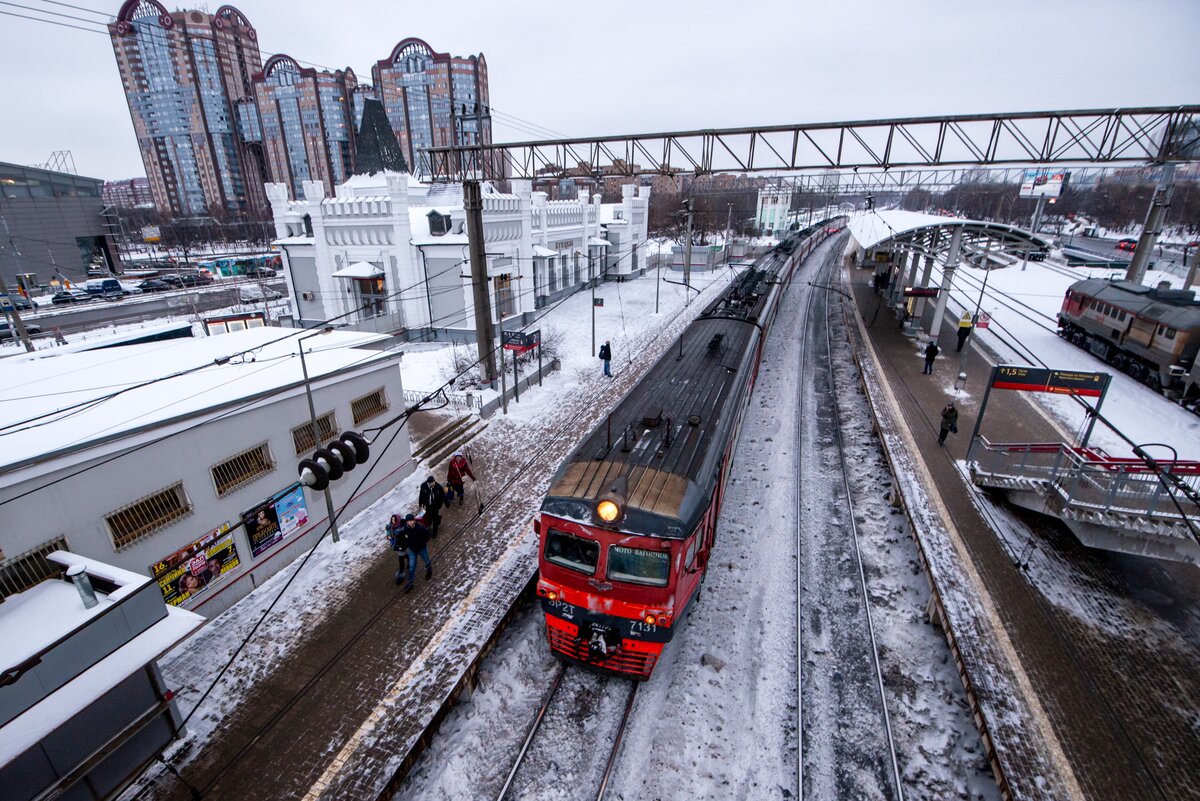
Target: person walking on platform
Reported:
[(397, 536), (931, 352), (418, 546), (456, 475), (949, 422), (431, 499), (606, 357)]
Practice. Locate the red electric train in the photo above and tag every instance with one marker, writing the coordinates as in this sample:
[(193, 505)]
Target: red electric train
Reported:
[(629, 524)]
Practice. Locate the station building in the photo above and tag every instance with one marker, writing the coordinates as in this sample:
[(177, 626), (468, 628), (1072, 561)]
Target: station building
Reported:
[(392, 251), (189, 475)]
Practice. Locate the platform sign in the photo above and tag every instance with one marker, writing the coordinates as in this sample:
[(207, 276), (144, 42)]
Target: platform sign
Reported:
[(920, 291), (520, 341), (598, 302), (984, 320), (1042, 379)]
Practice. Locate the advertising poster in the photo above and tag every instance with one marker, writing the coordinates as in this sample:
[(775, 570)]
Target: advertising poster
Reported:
[(270, 521), (1043, 182), (192, 570)]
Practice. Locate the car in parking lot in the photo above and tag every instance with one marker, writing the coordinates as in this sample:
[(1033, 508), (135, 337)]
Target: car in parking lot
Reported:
[(256, 271), (13, 300), (70, 296), (7, 331), (154, 285), (1126, 244), (253, 293)]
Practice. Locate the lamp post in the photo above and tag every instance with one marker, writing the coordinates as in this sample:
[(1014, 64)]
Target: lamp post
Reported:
[(312, 417)]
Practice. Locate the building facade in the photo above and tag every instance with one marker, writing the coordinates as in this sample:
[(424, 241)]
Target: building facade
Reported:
[(433, 99), (132, 193), (55, 223), (303, 119), (202, 463), (185, 74), (390, 252), (773, 208)]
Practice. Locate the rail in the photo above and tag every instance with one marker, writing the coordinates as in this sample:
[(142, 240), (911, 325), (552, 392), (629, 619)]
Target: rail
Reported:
[(1089, 478)]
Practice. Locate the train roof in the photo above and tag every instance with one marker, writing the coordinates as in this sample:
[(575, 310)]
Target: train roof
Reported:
[(666, 438), (1176, 308)]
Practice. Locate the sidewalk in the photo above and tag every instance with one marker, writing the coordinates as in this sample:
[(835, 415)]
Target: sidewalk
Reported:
[(1073, 701)]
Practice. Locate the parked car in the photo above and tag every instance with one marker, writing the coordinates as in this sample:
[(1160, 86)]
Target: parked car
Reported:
[(172, 279), (110, 288), (252, 293), (255, 271), (8, 332), (70, 296), (1126, 244), (154, 285), (20, 302)]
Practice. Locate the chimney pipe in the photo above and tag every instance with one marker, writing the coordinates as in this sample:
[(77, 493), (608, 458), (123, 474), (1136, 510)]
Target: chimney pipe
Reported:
[(79, 577)]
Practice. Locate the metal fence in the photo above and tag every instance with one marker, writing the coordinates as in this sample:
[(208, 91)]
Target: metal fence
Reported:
[(1087, 481), (25, 570), (465, 401)]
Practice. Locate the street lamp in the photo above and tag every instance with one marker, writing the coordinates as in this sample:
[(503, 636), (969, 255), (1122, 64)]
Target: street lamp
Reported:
[(312, 417)]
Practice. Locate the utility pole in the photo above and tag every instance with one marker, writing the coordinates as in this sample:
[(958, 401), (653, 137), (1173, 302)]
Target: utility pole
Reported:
[(11, 308), (687, 255), (473, 207), (728, 220), (1155, 218), (593, 303), (503, 380)]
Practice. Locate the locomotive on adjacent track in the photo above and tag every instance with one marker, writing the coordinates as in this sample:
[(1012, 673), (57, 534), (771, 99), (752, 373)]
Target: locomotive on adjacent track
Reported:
[(1150, 333), (628, 526)]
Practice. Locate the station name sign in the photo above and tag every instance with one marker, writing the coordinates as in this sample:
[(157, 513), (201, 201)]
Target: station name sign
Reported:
[(920, 291), (521, 341), (1042, 379)]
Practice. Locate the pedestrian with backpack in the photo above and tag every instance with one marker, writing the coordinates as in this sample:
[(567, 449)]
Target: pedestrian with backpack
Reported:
[(949, 422), (606, 357), (431, 499), (456, 475), (398, 540), (418, 547)]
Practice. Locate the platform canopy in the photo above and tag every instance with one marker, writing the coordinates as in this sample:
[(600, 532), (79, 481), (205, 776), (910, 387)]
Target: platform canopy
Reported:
[(892, 229)]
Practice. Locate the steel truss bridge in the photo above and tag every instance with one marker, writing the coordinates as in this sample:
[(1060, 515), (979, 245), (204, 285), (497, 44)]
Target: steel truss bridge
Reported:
[(1130, 136)]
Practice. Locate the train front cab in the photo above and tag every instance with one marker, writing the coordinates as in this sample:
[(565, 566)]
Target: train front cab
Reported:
[(611, 599)]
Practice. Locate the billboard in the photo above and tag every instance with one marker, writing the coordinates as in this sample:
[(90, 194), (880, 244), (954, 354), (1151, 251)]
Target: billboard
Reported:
[(1043, 183), (151, 234), (192, 570), (269, 522)]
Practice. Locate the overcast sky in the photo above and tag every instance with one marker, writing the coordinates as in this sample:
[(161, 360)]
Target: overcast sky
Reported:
[(648, 65)]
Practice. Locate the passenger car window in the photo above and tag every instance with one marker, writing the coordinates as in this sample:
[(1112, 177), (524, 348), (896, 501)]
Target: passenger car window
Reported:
[(638, 565), (572, 552)]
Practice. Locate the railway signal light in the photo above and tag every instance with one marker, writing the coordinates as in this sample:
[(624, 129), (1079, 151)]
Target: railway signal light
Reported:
[(337, 458)]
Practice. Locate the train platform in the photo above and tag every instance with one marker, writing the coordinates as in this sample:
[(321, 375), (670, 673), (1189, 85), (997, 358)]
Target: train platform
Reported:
[(1079, 664)]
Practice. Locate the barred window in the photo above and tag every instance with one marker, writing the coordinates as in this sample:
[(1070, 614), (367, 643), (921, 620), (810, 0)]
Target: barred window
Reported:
[(146, 515), (302, 436), (242, 469), (25, 570), (369, 406)]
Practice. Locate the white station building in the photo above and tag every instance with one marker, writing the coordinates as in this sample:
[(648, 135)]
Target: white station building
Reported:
[(390, 253), (178, 460)]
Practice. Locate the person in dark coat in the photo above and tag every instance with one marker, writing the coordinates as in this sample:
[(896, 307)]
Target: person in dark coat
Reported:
[(418, 546), (456, 475), (397, 536), (431, 499), (606, 357), (964, 331), (931, 352), (949, 422)]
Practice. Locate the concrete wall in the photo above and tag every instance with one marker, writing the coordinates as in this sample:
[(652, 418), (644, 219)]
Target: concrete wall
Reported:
[(76, 507)]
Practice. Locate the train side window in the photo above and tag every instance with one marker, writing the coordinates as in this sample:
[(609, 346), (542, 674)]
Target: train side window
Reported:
[(574, 553), (1170, 333), (638, 565), (689, 558), (1121, 316)]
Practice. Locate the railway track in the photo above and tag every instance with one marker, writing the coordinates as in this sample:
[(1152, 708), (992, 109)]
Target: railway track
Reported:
[(847, 725), (543, 751)]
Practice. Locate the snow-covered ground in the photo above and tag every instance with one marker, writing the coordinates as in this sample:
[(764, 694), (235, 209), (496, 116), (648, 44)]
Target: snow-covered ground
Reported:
[(1140, 413), (718, 719)]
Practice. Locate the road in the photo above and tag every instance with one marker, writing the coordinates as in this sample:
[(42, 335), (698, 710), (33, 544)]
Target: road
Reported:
[(1169, 259), (138, 308)]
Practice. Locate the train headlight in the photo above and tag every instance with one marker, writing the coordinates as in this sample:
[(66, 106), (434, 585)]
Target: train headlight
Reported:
[(650, 620), (552, 595), (608, 511)]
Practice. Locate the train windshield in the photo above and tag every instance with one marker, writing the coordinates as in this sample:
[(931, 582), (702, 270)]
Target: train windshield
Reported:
[(638, 566), (575, 553)]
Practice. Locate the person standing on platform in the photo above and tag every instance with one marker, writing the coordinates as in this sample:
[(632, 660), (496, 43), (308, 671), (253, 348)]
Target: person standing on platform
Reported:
[(964, 331), (931, 352), (418, 546), (432, 498), (398, 538), (949, 422), (606, 357), (456, 475)]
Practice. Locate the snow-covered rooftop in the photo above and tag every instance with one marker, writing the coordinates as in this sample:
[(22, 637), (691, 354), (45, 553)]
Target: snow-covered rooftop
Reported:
[(52, 389), (873, 227)]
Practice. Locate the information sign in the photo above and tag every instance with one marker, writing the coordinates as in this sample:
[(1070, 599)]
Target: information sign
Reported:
[(920, 291), (1042, 379), (521, 341)]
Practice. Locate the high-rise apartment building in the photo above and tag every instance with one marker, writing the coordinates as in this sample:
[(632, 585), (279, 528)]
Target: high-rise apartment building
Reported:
[(184, 74), (128, 194), (433, 99), (304, 119)]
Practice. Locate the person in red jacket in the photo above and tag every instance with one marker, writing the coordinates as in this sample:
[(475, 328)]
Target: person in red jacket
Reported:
[(456, 475)]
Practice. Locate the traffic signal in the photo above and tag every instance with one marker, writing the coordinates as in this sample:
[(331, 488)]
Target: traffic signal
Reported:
[(330, 463)]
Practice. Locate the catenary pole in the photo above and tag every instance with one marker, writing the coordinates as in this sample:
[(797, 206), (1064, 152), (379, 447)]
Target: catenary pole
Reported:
[(473, 207)]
